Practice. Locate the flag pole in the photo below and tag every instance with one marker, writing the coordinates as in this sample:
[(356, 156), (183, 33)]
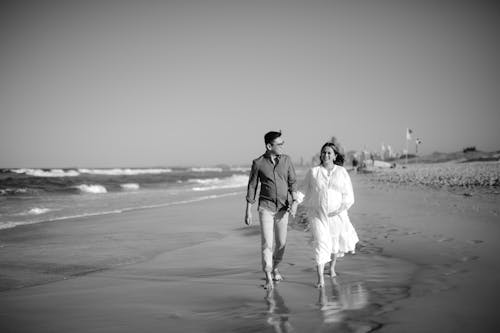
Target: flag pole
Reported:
[(406, 152), (407, 137), (416, 152)]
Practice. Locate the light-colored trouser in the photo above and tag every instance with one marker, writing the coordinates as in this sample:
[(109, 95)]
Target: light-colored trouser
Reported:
[(273, 229)]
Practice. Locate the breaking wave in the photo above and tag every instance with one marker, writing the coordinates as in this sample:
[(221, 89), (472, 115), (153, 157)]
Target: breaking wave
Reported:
[(47, 173), (12, 224), (206, 169), (36, 211), (9, 191), (78, 172), (130, 186), (220, 183), (124, 172), (94, 189)]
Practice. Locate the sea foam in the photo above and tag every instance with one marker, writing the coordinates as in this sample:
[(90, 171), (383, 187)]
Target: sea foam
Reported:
[(12, 224), (240, 169), (124, 172), (130, 186), (8, 191), (95, 189), (206, 169), (38, 211), (49, 173), (34, 211), (220, 183)]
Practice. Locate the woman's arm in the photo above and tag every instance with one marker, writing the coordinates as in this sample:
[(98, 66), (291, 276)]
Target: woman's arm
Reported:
[(347, 193)]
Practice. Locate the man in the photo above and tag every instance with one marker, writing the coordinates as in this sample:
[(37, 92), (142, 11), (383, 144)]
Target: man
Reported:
[(277, 198)]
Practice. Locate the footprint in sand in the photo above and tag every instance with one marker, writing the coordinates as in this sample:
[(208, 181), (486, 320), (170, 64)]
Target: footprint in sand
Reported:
[(445, 239), (456, 271), (475, 241), (469, 258), (369, 249)]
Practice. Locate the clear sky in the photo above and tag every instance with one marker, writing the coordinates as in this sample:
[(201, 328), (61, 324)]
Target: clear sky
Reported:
[(149, 83)]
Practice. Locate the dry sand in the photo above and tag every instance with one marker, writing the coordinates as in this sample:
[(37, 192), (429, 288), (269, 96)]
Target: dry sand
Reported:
[(426, 263)]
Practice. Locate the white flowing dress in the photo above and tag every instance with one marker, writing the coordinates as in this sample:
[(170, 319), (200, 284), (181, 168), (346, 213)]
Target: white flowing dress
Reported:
[(324, 192)]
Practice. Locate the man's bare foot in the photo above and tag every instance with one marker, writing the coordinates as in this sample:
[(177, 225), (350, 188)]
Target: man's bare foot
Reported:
[(277, 275), (268, 285), (320, 284), (269, 281)]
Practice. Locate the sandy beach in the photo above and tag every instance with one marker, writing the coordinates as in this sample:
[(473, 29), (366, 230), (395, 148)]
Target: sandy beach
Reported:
[(426, 263)]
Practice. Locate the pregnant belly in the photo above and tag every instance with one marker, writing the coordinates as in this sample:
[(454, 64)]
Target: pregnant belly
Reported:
[(334, 200)]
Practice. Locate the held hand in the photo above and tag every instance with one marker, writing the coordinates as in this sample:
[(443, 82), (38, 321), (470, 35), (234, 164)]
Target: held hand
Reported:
[(248, 218), (337, 211), (293, 209), (334, 213)]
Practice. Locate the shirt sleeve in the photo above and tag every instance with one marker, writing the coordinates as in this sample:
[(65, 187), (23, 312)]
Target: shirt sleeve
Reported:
[(253, 182), (347, 192)]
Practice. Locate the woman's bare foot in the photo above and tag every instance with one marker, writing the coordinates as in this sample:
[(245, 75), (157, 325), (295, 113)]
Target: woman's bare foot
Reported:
[(320, 284)]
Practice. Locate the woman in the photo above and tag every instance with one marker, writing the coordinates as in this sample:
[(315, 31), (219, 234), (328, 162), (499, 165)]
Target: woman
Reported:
[(328, 194)]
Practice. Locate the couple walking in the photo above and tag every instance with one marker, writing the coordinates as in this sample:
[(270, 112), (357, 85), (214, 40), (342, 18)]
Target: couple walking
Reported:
[(326, 193)]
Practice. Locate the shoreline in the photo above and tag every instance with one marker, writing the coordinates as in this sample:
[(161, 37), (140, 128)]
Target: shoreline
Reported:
[(419, 248)]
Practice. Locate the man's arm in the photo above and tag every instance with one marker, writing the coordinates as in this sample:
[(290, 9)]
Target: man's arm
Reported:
[(347, 193), (292, 180), (253, 182), (292, 188), (248, 214)]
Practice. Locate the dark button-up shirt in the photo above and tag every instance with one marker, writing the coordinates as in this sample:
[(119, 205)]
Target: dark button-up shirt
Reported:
[(277, 182)]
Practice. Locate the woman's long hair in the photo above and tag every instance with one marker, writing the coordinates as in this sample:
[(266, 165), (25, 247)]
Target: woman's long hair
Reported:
[(339, 159)]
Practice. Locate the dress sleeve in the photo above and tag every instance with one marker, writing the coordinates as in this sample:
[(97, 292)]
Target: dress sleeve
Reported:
[(292, 179), (347, 192)]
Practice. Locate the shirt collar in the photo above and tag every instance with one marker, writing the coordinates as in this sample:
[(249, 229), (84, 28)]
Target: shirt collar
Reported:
[(267, 154)]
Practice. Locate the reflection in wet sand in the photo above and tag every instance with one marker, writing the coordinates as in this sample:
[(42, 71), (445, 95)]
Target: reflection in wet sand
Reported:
[(344, 297), (278, 312)]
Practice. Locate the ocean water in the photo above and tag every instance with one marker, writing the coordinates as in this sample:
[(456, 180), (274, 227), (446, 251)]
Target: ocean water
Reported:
[(38, 195)]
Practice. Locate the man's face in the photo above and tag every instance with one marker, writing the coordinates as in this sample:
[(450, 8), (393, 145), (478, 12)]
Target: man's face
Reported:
[(277, 146)]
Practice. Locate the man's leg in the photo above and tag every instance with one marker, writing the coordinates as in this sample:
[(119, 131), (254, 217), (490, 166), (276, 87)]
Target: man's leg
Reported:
[(281, 225), (266, 235)]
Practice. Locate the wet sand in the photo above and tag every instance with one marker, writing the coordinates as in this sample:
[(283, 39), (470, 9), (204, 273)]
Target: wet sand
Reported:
[(426, 263)]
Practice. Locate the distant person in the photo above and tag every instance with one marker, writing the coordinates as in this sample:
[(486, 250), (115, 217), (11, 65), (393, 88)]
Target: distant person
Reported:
[(277, 199), (328, 194), (354, 163)]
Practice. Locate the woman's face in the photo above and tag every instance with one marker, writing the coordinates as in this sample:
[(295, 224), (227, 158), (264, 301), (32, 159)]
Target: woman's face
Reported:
[(328, 155)]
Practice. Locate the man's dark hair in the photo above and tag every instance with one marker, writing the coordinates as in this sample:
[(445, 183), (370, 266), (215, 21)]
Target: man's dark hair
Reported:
[(271, 136)]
